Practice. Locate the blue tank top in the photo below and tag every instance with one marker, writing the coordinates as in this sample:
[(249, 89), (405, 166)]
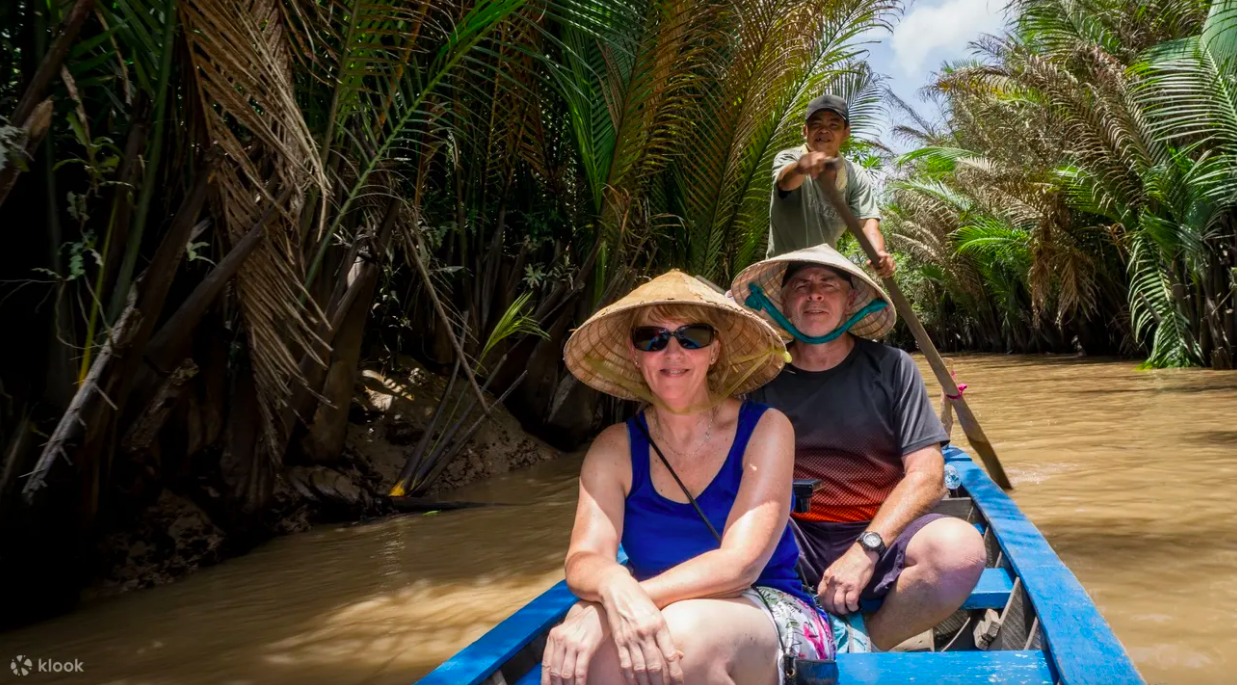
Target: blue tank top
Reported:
[(659, 533)]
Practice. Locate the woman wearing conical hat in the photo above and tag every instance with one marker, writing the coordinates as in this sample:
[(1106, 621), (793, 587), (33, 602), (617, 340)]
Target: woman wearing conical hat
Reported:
[(697, 489)]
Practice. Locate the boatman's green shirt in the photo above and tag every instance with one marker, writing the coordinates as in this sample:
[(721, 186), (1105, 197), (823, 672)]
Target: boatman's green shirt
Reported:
[(803, 217)]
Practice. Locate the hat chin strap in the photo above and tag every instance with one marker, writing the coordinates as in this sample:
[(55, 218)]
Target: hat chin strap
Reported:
[(758, 300)]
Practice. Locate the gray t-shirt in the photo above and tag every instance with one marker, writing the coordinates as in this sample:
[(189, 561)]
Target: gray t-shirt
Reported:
[(803, 217), (853, 424)]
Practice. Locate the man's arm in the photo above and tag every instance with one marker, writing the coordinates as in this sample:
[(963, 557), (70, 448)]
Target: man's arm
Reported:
[(884, 265), (810, 165), (920, 435), (863, 201), (923, 486), (920, 490)]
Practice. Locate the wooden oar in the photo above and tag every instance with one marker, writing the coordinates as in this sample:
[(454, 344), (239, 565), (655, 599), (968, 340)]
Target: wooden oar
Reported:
[(970, 425)]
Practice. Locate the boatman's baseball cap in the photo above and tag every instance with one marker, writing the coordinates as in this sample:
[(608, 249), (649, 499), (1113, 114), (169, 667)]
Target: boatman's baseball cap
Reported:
[(828, 103)]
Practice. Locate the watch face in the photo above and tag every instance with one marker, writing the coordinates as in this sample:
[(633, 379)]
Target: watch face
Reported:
[(872, 540)]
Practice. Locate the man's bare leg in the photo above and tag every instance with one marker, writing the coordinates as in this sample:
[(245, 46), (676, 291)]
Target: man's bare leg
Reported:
[(943, 563)]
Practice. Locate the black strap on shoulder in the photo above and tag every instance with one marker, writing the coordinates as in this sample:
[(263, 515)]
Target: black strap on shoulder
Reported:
[(645, 431), (788, 659)]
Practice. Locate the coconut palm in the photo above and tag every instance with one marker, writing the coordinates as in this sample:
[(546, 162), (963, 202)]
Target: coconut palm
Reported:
[(1099, 131), (244, 200)]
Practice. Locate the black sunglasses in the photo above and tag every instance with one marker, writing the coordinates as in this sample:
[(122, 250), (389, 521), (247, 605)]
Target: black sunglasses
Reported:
[(693, 336)]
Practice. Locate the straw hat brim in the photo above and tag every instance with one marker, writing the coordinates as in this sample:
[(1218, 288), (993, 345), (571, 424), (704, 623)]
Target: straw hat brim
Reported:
[(768, 275), (597, 352)]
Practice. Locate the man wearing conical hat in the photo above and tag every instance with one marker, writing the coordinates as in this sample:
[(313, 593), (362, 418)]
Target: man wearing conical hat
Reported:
[(800, 214), (865, 428)]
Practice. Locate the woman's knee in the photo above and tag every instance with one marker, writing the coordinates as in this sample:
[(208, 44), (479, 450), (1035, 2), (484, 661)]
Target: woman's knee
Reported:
[(604, 669), (686, 622), (699, 656), (721, 639)]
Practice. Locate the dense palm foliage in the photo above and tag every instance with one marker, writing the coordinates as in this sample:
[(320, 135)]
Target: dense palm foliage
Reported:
[(1082, 191), (218, 208)]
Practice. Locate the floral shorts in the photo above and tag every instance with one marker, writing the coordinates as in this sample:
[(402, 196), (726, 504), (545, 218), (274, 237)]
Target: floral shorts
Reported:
[(803, 630), (810, 632)]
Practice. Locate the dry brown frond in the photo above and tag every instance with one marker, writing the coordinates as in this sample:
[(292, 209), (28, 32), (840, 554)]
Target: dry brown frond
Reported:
[(241, 71)]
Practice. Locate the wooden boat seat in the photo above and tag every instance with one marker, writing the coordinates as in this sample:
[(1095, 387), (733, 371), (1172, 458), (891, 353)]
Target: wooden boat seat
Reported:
[(991, 592), (1013, 667)]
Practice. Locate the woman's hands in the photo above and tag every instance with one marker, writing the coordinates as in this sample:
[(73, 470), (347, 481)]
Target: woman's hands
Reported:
[(572, 644), (646, 653)]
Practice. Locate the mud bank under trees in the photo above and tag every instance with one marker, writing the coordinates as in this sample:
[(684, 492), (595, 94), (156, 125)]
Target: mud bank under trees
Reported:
[(389, 414)]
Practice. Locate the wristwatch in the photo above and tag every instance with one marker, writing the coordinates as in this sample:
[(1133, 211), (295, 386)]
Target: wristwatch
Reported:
[(871, 541)]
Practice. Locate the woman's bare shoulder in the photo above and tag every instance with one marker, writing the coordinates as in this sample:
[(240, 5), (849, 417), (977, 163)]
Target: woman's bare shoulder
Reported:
[(612, 439), (774, 422), (610, 452), (772, 435)]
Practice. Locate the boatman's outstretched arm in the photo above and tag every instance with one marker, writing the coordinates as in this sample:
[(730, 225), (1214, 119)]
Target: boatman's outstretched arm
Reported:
[(885, 266), (810, 165), (864, 204)]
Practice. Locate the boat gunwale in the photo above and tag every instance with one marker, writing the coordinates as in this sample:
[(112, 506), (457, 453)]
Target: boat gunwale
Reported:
[(1080, 647), (1080, 644)]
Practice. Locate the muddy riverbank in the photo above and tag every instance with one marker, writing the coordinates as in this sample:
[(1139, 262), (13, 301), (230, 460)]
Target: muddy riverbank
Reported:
[(391, 409)]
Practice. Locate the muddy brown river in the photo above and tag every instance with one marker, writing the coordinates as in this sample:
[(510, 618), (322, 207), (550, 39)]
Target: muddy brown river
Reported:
[(1131, 475)]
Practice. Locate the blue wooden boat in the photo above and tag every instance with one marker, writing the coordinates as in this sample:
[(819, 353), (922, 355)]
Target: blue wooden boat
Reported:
[(1028, 621)]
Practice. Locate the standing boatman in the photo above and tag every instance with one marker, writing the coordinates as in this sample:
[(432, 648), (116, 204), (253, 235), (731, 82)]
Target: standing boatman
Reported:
[(800, 215)]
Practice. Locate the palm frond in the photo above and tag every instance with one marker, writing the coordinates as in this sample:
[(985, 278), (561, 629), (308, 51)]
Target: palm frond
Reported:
[(244, 84), (514, 321)]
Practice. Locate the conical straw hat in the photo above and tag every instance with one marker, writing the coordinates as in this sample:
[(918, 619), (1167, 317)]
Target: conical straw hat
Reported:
[(769, 273), (598, 355)]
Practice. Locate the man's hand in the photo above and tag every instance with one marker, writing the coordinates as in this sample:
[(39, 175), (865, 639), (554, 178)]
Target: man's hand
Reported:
[(884, 261), (843, 581), (813, 164), (884, 267)]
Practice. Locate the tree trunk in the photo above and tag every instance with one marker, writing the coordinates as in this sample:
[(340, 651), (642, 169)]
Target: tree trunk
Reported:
[(247, 471), (145, 430), (52, 61), (329, 428), (301, 405), (101, 397), (36, 129), (208, 402), (128, 178), (174, 337)]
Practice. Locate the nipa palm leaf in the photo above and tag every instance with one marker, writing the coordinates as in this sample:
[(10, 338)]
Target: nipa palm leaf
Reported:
[(244, 85)]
